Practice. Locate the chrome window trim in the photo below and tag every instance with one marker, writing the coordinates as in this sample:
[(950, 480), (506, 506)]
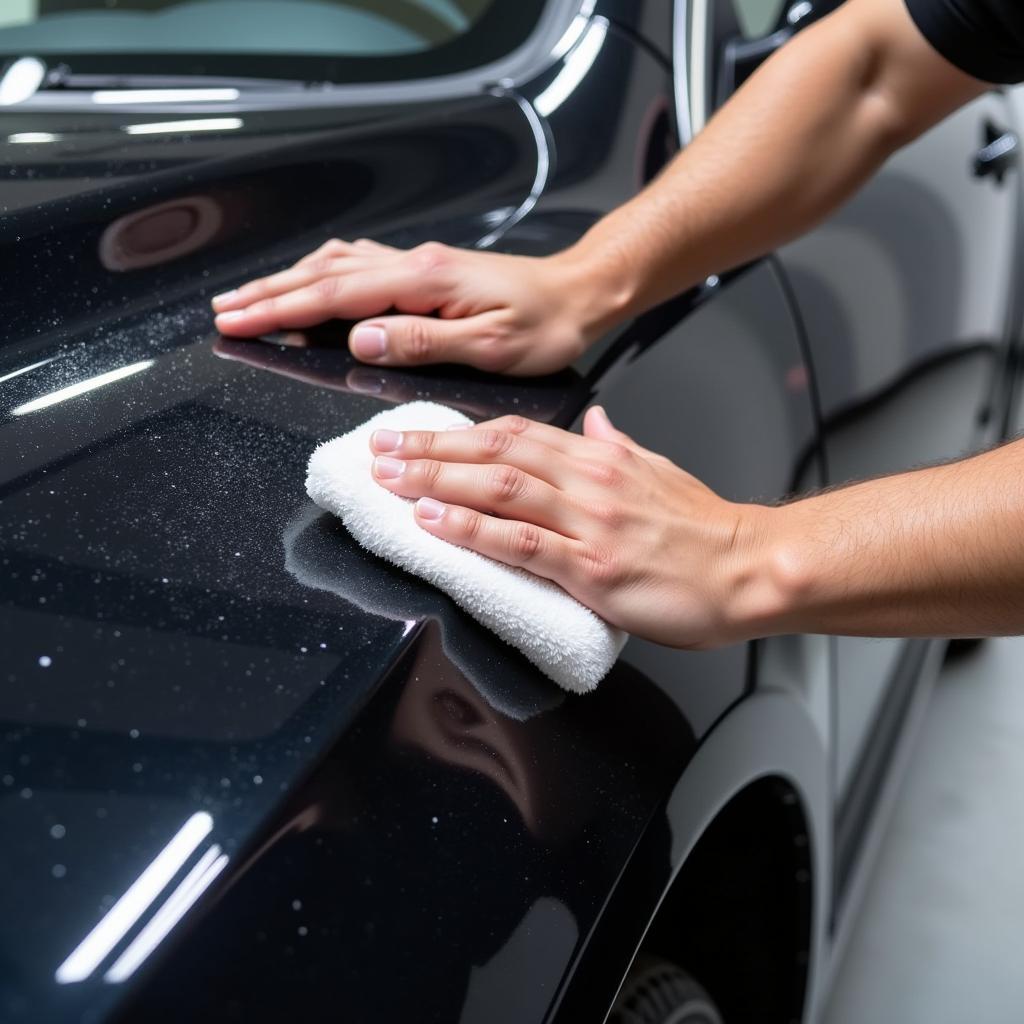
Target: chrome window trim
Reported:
[(535, 55)]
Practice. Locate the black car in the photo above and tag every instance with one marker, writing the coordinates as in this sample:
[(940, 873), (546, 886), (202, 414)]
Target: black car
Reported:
[(248, 771)]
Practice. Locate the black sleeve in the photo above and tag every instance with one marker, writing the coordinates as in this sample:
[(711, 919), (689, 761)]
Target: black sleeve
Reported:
[(984, 38)]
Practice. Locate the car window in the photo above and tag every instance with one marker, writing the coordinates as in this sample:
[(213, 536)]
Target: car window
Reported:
[(315, 40)]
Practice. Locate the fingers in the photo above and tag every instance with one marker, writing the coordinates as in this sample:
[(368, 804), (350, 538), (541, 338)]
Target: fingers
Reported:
[(300, 273), (520, 544), (477, 447), (537, 448), (438, 317), (303, 307), (601, 447), (333, 248), (332, 258), (369, 245), (298, 276), (600, 438), (417, 340), (380, 285), (500, 489), (590, 468), (543, 433)]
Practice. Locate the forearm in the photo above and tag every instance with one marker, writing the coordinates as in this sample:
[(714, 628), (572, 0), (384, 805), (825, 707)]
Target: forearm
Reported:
[(800, 136), (935, 552)]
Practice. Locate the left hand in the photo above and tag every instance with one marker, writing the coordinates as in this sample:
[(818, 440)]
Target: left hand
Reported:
[(644, 544), (521, 315)]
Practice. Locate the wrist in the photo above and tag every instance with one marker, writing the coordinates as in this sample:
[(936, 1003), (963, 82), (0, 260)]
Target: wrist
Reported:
[(771, 578), (597, 286)]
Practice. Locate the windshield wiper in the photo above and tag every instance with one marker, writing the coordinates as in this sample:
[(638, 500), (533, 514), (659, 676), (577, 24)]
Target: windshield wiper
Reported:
[(63, 78), (28, 81)]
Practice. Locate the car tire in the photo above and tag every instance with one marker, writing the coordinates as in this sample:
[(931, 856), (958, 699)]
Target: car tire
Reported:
[(657, 991)]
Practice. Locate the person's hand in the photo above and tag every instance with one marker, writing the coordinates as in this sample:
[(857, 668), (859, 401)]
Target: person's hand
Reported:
[(507, 314), (625, 531)]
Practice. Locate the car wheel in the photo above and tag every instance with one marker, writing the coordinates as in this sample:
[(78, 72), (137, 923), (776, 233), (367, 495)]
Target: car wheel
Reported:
[(656, 991)]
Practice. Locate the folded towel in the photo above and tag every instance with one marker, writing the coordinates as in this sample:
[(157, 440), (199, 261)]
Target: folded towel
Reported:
[(565, 640)]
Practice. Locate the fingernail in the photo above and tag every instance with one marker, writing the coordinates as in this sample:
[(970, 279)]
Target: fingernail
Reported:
[(428, 508), (369, 342), (388, 469), (386, 440), (220, 300), (232, 317)]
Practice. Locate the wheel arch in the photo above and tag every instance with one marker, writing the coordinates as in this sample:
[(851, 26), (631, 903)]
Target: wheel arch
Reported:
[(766, 763), (764, 758)]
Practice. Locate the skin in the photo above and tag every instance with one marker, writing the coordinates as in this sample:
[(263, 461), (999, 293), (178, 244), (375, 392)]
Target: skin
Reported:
[(653, 550), (645, 544)]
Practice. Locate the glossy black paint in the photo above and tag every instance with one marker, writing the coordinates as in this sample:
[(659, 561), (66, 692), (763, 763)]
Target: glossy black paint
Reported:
[(446, 860), (183, 633), (280, 184), (914, 375)]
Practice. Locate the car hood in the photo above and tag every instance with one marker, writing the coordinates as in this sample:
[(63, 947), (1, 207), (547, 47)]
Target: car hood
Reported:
[(163, 630), (200, 665)]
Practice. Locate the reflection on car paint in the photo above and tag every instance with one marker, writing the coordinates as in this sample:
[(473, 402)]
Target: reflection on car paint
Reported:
[(115, 924), (320, 554)]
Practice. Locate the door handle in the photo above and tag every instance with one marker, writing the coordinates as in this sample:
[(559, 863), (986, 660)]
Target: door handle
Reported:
[(999, 154), (742, 57)]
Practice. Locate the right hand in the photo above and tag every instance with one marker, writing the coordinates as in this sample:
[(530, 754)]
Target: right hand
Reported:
[(519, 315), (626, 532)]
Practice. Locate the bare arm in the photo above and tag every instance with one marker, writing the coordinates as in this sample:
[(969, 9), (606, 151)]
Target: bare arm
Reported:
[(935, 552), (800, 136), (649, 547)]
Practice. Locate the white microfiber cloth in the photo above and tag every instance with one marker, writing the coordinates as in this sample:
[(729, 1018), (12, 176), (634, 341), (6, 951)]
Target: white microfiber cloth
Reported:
[(565, 640)]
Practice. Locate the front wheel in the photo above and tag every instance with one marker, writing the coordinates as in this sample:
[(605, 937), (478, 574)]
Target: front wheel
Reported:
[(657, 991)]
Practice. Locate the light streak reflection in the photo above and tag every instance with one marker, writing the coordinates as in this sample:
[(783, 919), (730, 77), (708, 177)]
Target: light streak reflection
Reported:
[(192, 886), (112, 96), (114, 925), (578, 62), (199, 124), (81, 388)]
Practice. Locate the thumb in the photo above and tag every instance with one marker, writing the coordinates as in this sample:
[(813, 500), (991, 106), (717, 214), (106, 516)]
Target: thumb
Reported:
[(597, 426), (417, 340)]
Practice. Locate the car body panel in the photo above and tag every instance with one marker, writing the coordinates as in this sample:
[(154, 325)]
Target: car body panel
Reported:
[(396, 816), (907, 378), (186, 637)]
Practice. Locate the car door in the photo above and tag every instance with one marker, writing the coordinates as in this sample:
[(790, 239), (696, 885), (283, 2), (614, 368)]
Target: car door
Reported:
[(906, 294)]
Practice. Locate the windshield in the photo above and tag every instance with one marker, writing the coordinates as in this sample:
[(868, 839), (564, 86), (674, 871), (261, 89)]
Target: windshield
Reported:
[(312, 40)]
